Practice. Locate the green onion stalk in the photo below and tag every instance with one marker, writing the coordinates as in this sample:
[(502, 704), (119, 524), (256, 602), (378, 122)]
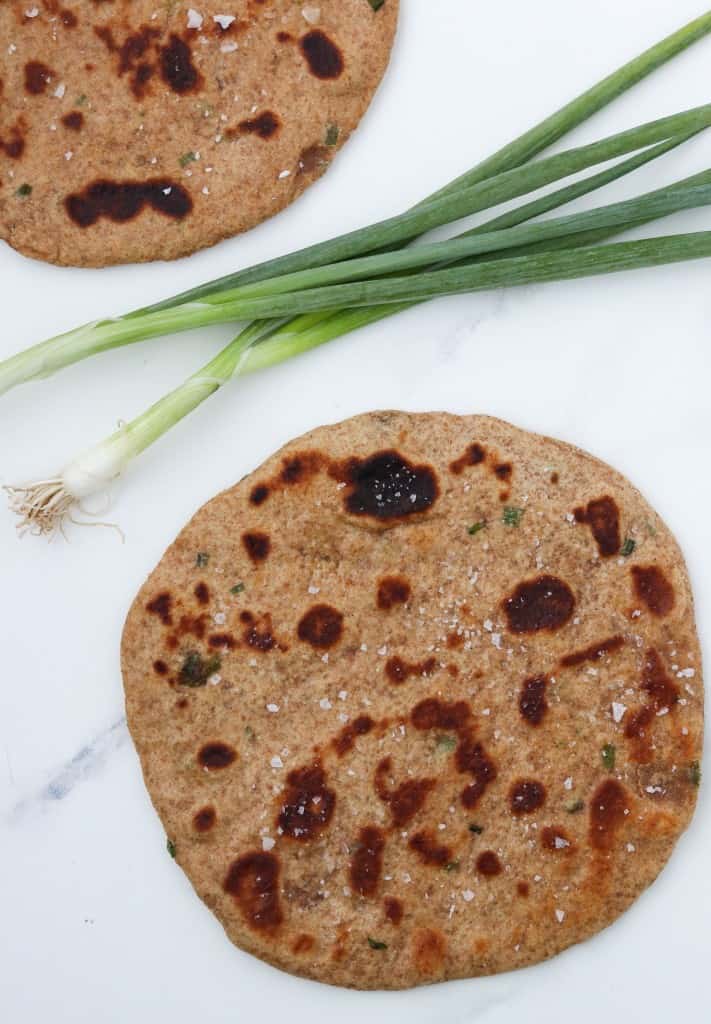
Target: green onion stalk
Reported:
[(43, 507)]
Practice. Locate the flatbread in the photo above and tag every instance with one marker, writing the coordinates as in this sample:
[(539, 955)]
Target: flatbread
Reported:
[(419, 699), (132, 130)]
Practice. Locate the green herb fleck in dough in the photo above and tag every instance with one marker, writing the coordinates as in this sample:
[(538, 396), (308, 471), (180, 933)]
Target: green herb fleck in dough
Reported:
[(575, 806), (332, 133), (446, 743), (512, 516), (608, 754), (628, 547), (237, 589), (170, 846), (24, 190), (80, 100), (695, 773), (375, 944), (476, 528), (202, 559), (452, 866), (476, 829), (250, 733), (196, 670), (187, 158), (376, 4)]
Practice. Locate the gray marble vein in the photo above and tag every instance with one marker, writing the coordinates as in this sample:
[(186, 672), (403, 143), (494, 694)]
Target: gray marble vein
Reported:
[(86, 763)]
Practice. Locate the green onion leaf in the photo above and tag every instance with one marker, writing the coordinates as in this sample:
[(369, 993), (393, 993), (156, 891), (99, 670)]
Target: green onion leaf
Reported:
[(376, 944), (24, 190), (446, 743), (202, 560), (170, 846), (237, 589), (608, 755), (452, 866), (196, 670), (512, 516), (695, 773), (376, 4), (476, 528), (476, 829), (332, 133), (575, 806), (628, 547), (187, 158), (80, 100)]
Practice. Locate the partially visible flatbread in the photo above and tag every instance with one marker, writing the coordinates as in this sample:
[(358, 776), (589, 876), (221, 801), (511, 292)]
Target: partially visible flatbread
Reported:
[(132, 130), (419, 699)]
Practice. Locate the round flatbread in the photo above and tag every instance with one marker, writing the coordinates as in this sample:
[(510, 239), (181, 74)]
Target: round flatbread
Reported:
[(133, 131), (419, 699)]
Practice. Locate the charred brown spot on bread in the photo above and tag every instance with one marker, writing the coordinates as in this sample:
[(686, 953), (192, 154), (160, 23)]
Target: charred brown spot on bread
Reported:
[(162, 605), (473, 456), (526, 796), (407, 799), (429, 850), (471, 758), (222, 640), (532, 701), (523, 889), (663, 695), (298, 468), (68, 19), (394, 909), (544, 603), (303, 943), (399, 671), (436, 714), (177, 68), (654, 589), (182, 703), (160, 667), (345, 741), (257, 545), (488, 864), (264, 125), (202, 593), (638, 729), (192, 625), (74, 120), (307, 805), (657, 683), (503, 471), (393, 590), (37, 77), (216, 755), (321, 626), (259, 634), (386, 486), (556, 839), (323, 57), (204, 819), (429, 948), (253, 880), (608, 805), (14, 146), (122, 201), (603, 517), (595, 652), (555, 478), (367, 861), (259, 494), (284, 37)]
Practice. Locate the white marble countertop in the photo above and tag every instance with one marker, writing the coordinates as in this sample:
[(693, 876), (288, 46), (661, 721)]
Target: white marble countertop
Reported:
[(98, 923)]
